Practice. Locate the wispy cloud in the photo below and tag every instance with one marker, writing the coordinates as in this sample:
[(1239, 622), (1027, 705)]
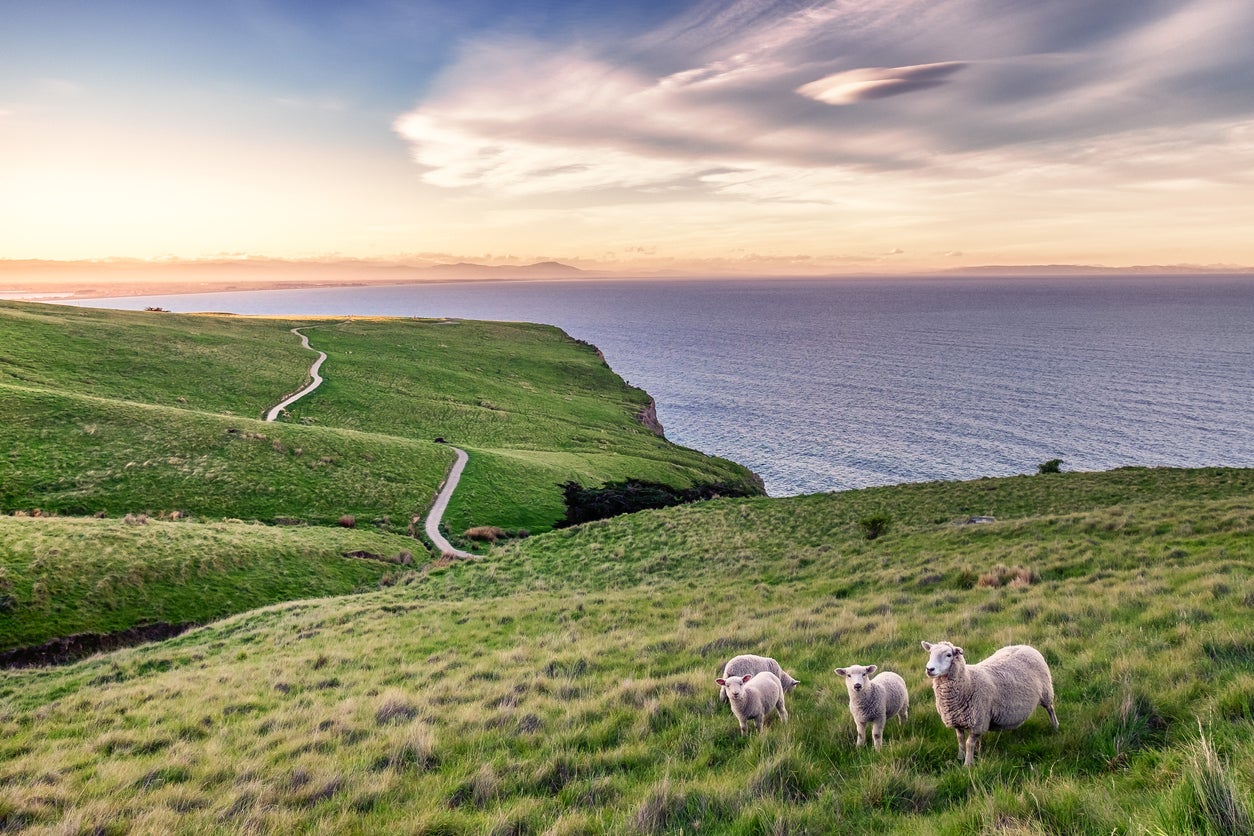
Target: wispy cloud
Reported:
[(757, 100)]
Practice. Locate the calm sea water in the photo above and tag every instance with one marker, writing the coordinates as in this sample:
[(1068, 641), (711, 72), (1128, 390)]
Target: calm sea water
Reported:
[(822, 385)]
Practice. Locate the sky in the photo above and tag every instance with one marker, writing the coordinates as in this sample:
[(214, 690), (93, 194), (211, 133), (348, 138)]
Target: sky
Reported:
[(729, 136)]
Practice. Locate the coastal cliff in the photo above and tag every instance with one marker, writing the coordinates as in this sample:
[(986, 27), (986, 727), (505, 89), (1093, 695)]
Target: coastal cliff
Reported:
[(648, 417)]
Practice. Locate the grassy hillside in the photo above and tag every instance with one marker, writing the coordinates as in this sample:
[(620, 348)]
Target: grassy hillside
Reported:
[(130, 412), (62, 576), (564, 684)]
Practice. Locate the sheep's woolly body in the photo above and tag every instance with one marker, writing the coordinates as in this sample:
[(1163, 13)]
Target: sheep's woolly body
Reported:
[(872, 702), (754, 698), (747, 663), (996, 694)]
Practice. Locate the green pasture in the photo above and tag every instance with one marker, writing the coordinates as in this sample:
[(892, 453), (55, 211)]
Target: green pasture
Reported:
[(151, 412), (564, 684)]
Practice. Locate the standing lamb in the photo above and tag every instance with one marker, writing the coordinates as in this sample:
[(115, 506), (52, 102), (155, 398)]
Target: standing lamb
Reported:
[(754, 697), (873, 701), (748, 663), (996, 694)]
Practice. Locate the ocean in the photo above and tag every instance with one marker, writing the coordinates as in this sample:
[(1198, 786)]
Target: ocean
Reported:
[(831, 384)]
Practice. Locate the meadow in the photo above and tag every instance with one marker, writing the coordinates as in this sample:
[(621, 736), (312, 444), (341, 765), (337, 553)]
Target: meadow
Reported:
[(564, 684), (345, 682), (116, 418), (148, 412)]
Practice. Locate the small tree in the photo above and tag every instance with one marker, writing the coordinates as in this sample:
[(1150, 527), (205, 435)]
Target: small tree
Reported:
[(1051, 466)]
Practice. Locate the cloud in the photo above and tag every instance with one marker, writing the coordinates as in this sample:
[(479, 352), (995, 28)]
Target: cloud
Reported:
[(757, 100), (853, 86)]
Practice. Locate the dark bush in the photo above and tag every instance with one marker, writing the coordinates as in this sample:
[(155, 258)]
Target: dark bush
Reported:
[(614, 498), (1051, 466), (874, 525)]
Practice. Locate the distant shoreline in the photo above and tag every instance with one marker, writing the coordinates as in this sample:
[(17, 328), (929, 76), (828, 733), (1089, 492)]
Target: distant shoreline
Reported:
[(85, 285)]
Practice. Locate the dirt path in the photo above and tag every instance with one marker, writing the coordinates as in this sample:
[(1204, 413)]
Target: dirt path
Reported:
[(313, 372), (441, 505), (436, 514)]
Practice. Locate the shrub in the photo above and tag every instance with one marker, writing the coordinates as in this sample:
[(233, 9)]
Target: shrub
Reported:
[(874, 525), (1051, 466), (485, 533), (630, 495), (348, 521)]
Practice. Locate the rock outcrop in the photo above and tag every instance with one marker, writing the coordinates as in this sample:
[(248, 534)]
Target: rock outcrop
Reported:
[(648, 417)]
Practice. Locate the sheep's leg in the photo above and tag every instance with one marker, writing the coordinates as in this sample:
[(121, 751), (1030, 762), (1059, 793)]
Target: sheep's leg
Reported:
[(1053, 718), (877, 733), (962, 743), (973, 740), (861, 732), (783, 712)]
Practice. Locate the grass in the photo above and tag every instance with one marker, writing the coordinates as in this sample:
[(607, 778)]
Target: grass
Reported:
[(142, 412), (564, 683), (65, 576)]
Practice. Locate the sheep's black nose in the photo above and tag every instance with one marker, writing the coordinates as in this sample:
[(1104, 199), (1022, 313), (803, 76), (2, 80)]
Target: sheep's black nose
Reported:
[(930, 670), (858, 687)]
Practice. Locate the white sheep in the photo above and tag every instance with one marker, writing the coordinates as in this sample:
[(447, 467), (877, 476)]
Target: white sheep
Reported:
[(999, 693), (754, 697), (873, 701), (748, 663)]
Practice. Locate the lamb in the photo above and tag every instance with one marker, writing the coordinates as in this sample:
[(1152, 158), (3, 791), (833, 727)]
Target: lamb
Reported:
[(748, 663), (873, 701), (998, 693), (754, 697)]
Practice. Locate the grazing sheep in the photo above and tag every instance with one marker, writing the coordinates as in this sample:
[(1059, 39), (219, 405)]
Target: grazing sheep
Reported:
[(748, 663), (873, 701), (998, 693), (753, 697)]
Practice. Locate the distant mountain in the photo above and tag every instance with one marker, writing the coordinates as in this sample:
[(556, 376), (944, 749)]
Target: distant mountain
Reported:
[(539, 270)]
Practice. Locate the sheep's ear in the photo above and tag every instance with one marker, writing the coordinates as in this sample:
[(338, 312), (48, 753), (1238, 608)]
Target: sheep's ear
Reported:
[(926, 645), (957, 651), (721, 681), (748, 676), (872, 668), (842, 672)]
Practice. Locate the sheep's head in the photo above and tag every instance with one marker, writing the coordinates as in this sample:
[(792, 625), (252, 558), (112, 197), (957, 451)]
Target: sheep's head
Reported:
[(857, 677), (941, 658), (735, 685)]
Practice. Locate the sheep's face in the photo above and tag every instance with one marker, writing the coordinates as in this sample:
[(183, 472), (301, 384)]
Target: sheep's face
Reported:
[(857, 677), (941, 658), (735, 685)]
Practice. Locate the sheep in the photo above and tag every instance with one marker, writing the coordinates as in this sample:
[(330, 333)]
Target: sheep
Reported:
[(748, 663), (873, 701), (996, 694), (754, 697)]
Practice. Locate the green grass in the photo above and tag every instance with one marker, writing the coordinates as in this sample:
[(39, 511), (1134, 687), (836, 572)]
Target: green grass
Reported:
[(533, 407), (108, 413), (128, 412), (564, 684), (63, 576)]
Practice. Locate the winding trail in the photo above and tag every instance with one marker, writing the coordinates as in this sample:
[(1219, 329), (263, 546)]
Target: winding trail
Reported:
[(441, 505), (436, 514), (313, 372)]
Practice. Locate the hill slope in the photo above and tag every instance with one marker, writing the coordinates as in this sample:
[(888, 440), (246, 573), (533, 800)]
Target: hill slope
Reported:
[(565, 684), (152, 412)]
